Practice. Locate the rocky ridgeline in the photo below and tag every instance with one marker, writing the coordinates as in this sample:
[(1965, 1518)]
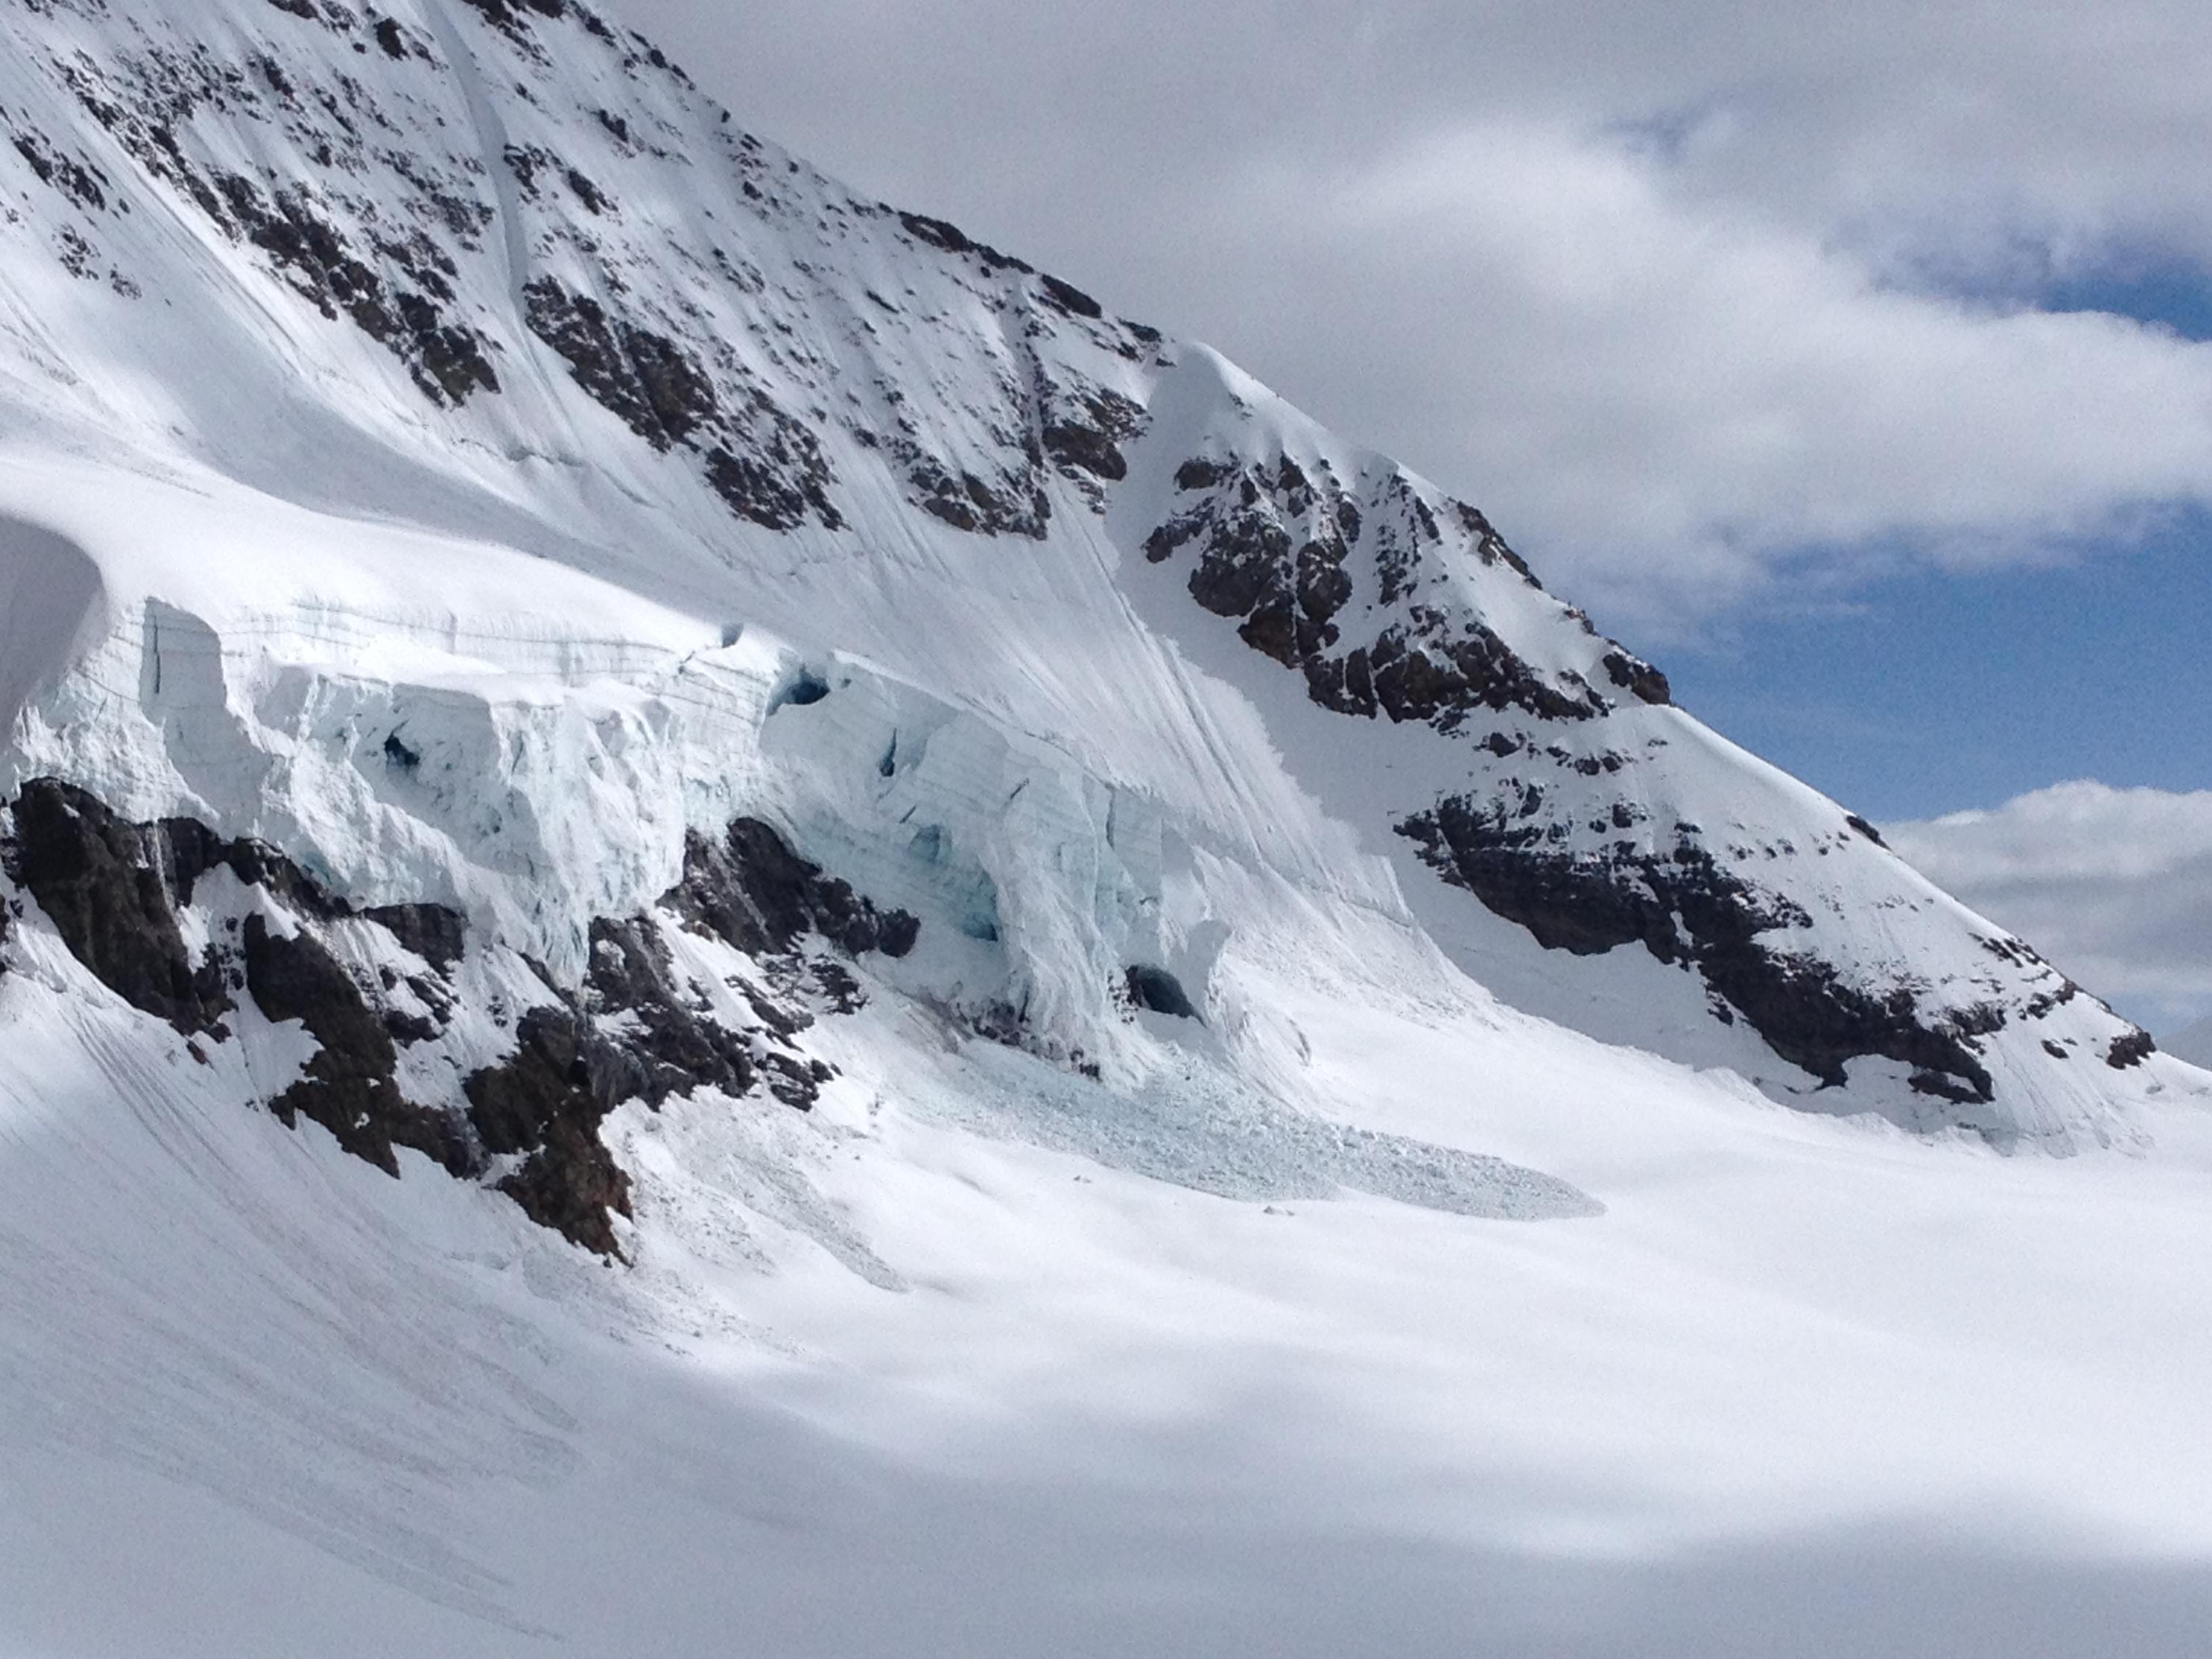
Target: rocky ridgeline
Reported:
[(1273, 546)]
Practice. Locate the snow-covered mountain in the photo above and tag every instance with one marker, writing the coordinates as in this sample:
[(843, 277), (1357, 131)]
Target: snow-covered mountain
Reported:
[(540, 636)]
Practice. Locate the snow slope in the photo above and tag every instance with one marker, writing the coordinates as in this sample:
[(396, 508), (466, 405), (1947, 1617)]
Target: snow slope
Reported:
[(1032, 938), (1804, 1388)]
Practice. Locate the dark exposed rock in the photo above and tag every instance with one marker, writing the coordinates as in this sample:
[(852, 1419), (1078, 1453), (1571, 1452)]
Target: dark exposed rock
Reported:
[(110, 889), (2131, 1050), (1859, 825), (197, 850), (82, 182), (1272, 544), (1441, 681), (764, 465), (594, 199), (648, 380), (669, 1047), (1242, 564), (753, 892), (641, 1031), (1637, 678), (1159, 991), (637, 1029), (540, 1102), (349, 1087), (1069, 298), (950, 238), (780, 487), (1086, 435), (447, 361), (1199, 473), (509, 15), (1015, 507), (434, 932), (1684, 907)]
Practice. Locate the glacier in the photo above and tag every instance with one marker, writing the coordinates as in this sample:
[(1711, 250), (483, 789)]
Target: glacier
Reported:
[(730, 927)]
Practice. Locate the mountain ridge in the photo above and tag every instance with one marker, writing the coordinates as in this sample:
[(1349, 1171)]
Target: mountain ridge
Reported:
[(583, 1072), (500, 273)]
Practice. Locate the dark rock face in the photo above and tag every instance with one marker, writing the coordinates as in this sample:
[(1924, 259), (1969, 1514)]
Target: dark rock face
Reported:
[(1159, 991), (392, 278), (2132, 1050), (1685, 909), (671, 1047), (542, 1103), (1082, 429), (379, 215), (1273, 546), (1860, 827), (1640, 680), (514, 16), (403, 315), (766, 466), (349, 1086), (114, 890), (950, 238), (752, 892), (1012, 503), (659, 392), (111, 889), (639, 1027), (432, 932)]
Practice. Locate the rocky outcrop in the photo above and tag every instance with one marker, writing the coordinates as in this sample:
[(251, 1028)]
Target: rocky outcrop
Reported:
[(752, 892), (1158, 990), (765, 465), (111, 890), (350, 1087), (368, 984), (1274, 546), (1685, 909)]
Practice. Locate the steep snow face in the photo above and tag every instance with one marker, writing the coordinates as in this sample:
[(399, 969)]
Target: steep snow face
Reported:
[(444, 448)]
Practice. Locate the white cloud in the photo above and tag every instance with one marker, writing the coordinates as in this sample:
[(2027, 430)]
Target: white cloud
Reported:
[(1675, 404), (1673, 291), (2113, 885)]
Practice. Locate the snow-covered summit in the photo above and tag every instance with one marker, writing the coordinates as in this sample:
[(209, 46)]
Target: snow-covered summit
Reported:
[(469, 506)]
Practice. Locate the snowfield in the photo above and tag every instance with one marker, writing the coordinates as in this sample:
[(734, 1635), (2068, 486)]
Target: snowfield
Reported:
[(730, 930), (895, 1376)]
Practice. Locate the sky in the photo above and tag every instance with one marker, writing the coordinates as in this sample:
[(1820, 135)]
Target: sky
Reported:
[(1854, 363)]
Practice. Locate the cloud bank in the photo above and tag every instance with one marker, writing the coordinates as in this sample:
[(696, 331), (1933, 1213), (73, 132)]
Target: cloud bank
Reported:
[(2113, 885), (1704, 303)]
